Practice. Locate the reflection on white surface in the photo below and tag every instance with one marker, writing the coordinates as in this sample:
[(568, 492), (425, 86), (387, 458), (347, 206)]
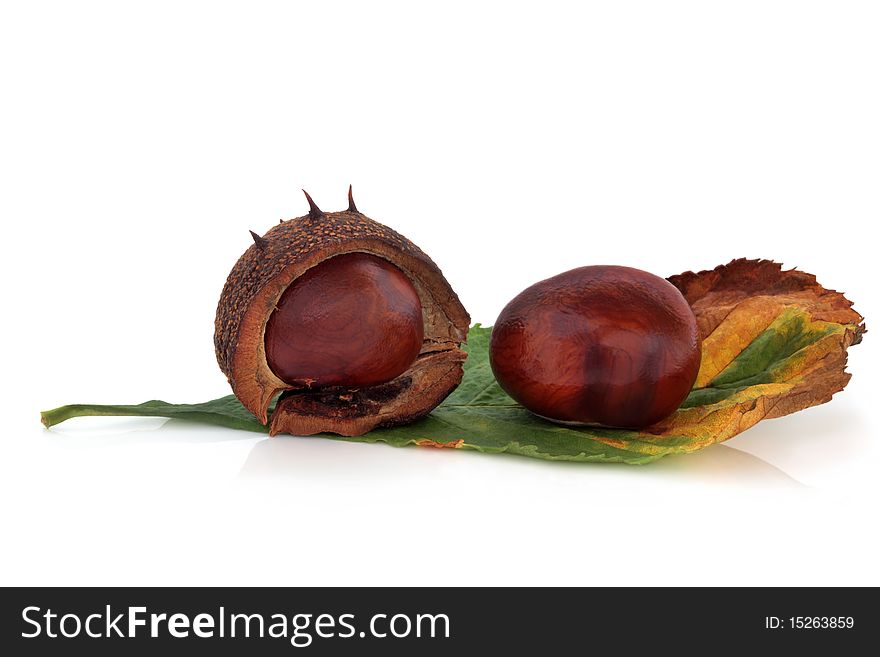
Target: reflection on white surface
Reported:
[(822, 443), (111, 429), (311, 458), (721, 463), (816, 447)]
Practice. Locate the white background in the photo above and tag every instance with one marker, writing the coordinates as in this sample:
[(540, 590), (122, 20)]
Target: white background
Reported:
[(140, 141)]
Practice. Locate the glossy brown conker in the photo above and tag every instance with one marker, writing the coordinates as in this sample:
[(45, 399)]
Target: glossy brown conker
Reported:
[(601, 345), (352, 320), (307, 402)]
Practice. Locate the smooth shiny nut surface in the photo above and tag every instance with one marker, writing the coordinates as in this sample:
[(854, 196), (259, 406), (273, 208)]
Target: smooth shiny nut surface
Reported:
[(607, 345), (352, 320)]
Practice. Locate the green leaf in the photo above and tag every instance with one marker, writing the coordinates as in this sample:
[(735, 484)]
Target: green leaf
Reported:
[(777, 345), (224, 412)]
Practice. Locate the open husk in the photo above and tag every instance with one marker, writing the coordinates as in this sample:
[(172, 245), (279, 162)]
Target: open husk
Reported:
[(278, 258)]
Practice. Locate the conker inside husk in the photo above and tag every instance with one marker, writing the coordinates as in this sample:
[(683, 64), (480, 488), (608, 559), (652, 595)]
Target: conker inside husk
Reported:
[(600, 345), (350, 321)]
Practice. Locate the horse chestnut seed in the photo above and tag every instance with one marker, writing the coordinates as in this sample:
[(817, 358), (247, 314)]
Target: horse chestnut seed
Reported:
[(332, 322), (601, 345), (352, 320)]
